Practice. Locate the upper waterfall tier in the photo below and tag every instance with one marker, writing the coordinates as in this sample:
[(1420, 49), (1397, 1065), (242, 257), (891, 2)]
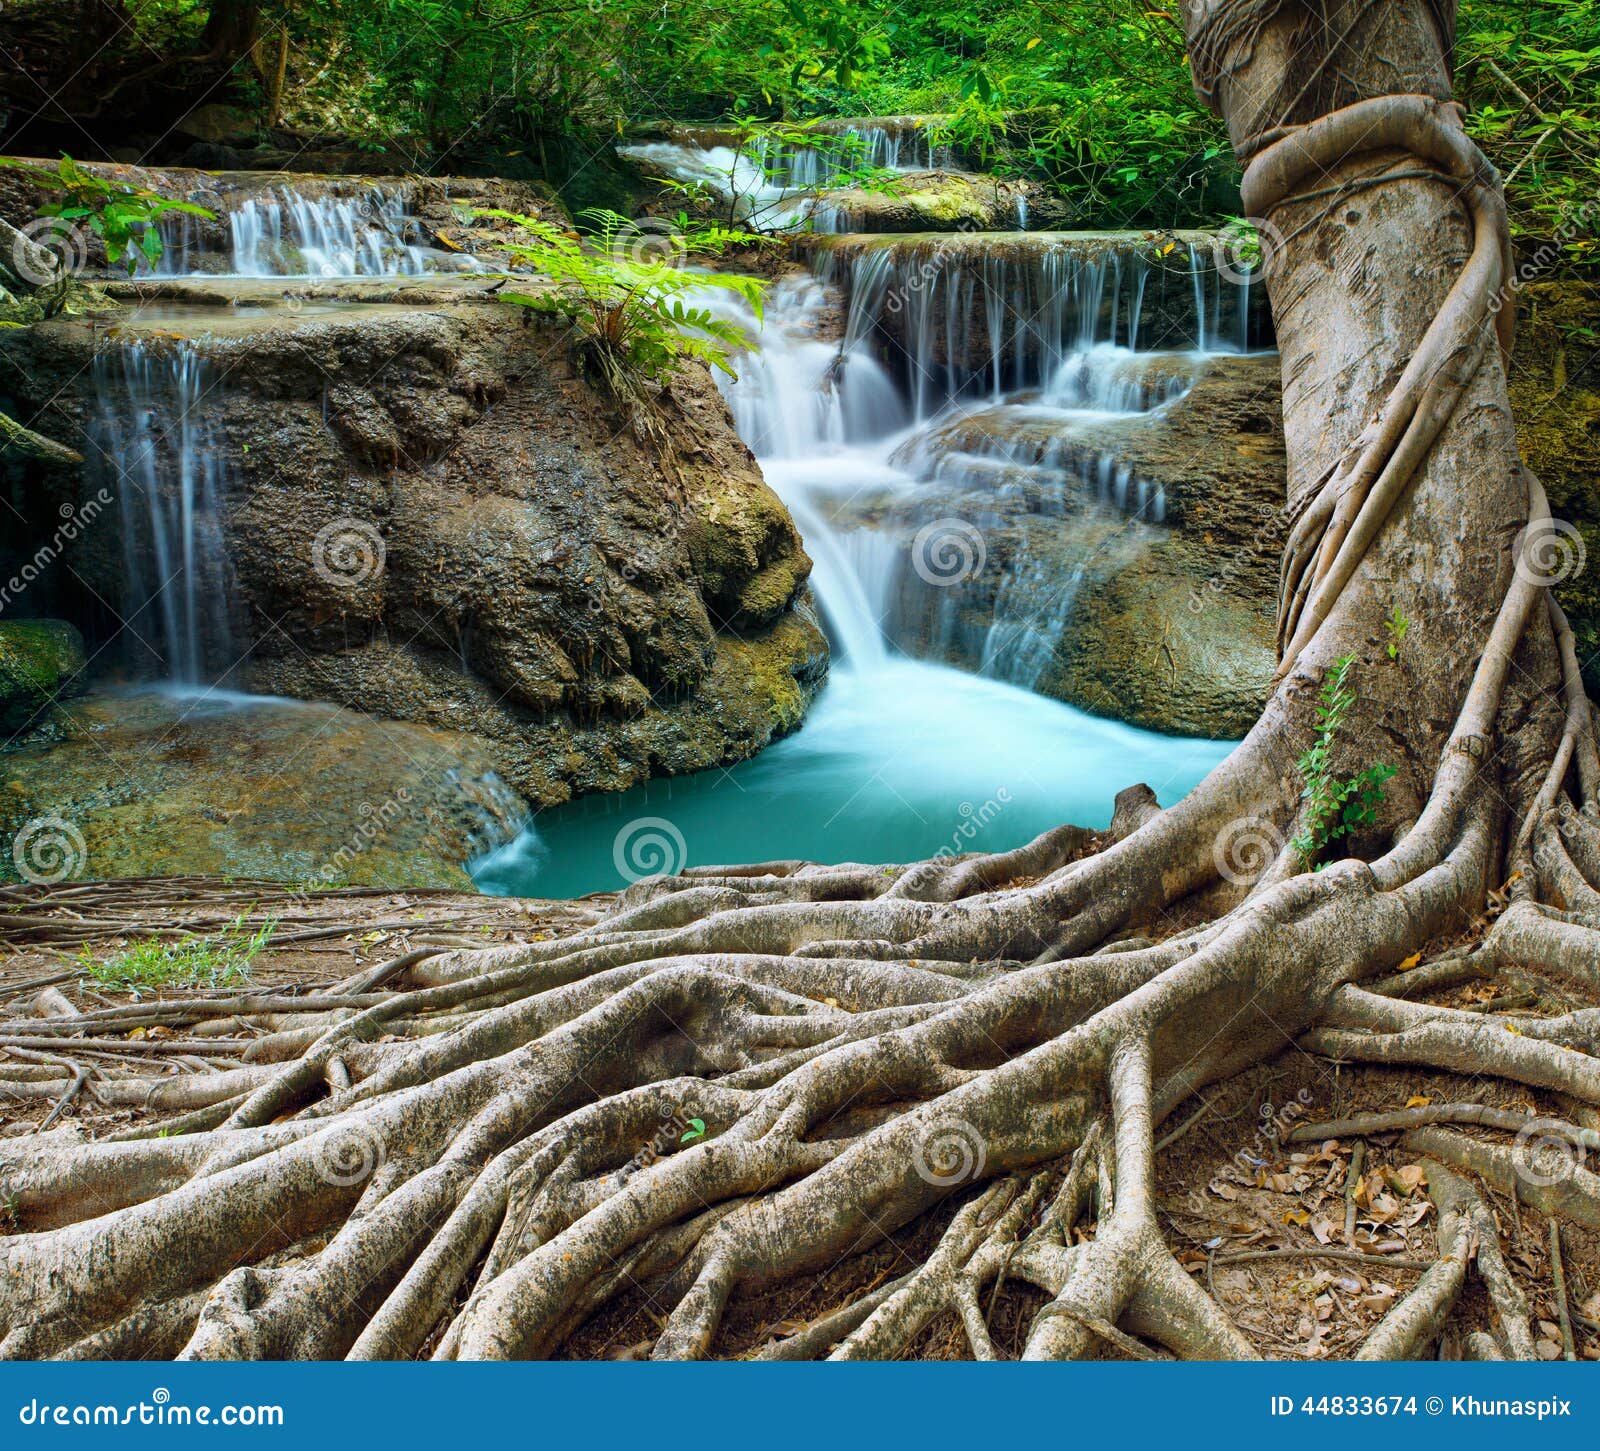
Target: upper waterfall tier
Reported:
[(982, 314), (818, 178), (299, 225), (893, 143)]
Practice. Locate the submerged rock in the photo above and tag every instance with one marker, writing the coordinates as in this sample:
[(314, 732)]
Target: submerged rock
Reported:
[(432, 513), (155, 783)]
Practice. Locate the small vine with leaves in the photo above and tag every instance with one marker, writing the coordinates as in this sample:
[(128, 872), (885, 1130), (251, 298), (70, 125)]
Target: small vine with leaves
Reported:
[(1335, 807)]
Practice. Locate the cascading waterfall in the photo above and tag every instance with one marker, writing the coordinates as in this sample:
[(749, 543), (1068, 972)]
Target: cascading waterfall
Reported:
[(836, 440), (908, 147), (902, 756), (155, 443), (769, 183), (283, 233), (989, 314)]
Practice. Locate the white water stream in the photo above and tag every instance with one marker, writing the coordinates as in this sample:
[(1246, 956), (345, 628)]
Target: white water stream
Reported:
[(903, 757)]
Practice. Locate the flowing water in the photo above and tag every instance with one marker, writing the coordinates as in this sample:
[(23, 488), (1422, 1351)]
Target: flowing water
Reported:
[(284, 233), (773, 184), (905, 444), (154, 444), (904, 757)]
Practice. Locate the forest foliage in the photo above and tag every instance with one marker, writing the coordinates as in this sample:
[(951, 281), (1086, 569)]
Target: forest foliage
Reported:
[(1094, 96)]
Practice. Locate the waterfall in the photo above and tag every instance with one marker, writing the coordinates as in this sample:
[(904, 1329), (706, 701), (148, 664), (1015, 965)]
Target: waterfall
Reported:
[(771, 183), (811, 412), (283, 233), (975, 380), (155, 442), (977, 316)]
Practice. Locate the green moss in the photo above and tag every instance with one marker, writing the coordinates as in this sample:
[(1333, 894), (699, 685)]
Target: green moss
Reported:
[(744, 549), (948, 204), (40, 661)]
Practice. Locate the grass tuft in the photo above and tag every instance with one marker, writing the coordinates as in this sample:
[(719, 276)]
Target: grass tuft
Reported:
[(193, 962)]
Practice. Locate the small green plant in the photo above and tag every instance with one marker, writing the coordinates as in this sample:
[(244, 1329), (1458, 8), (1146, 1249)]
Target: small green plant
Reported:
[(1335, 807), (1396, 626), (192, 962), (635, 307), (121, 214), (696, 1130)]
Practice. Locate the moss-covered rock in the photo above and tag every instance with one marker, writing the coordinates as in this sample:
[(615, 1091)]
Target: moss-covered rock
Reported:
[(945, 201), (151, 783), (41, 662), (527, 567)]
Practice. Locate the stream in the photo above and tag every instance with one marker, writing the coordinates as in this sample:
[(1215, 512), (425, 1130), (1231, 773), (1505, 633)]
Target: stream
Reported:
[(898, 436), (901, 757)]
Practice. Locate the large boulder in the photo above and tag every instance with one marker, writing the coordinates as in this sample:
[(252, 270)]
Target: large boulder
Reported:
[(41, 663), (430, 511)]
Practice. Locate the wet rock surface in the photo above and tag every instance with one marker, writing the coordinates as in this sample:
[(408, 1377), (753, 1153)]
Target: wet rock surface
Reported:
[(431, 513), (437, 209), (41, 662), (151, 783), (943, 201), (1082, 589)]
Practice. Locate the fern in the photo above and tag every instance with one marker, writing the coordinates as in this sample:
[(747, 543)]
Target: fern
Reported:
[(639, 315), (1335, 807)]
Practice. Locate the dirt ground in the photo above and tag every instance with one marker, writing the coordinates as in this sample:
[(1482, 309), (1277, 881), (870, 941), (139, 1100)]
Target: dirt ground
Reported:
[(1255, 1202)]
